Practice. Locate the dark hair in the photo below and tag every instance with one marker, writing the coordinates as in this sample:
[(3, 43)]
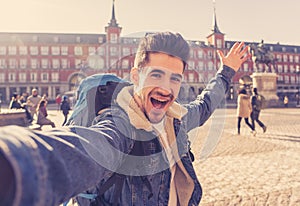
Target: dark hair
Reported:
[(162, 42), (243, 91), (255, 90)]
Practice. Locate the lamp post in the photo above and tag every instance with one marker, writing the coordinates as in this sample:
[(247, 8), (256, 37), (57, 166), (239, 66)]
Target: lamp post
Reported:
[(298, 81)]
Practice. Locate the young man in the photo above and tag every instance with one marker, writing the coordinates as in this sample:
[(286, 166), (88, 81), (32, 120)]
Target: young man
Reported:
[(256, 110), (143, 138)]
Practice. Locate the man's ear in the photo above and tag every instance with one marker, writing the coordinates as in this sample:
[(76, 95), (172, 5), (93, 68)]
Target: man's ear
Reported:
[(134, 76)]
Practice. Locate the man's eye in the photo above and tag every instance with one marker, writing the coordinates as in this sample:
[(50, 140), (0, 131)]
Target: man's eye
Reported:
[(156, 75), (176, 79)]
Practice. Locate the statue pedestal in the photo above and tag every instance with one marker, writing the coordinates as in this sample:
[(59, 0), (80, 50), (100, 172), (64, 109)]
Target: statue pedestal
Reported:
[(266, 84), (13, 117)]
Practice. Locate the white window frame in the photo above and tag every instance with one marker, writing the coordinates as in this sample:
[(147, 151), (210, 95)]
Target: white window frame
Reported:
[(44, 50), (23, 50)]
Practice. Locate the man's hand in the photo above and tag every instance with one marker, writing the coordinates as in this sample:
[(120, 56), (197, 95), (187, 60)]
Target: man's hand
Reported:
[(236, 56)]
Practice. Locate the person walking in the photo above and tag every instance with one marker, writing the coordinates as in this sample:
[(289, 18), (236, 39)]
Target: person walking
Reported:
[(286, 101), (58, 101), (65, 108), (256, 103), (33, 101), (141, 140), (244, 110)]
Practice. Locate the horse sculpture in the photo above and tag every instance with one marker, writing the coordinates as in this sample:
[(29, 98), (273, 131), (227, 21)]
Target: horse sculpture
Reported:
[(260, 54)]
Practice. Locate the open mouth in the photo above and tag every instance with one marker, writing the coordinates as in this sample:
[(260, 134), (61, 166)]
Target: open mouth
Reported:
[(158, 104)]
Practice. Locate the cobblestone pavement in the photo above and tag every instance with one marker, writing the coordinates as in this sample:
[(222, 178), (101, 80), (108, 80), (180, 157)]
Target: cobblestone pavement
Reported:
[(245, 169)]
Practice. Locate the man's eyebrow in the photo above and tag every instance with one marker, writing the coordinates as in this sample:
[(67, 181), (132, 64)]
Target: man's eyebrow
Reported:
[(162, 72)]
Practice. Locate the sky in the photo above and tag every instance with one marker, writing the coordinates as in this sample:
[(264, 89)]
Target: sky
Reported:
[(240, 20)]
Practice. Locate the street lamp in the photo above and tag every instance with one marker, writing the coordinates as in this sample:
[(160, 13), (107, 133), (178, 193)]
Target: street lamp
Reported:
[(298, 81)]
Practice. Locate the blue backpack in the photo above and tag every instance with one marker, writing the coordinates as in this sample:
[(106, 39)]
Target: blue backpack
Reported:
[(95, 93)]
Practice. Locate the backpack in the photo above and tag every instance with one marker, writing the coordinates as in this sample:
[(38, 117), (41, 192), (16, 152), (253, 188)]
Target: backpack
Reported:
[(260, 102), (96, 93)]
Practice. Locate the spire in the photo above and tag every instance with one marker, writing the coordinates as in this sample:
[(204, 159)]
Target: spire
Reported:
[(215, 28), (113, 21)]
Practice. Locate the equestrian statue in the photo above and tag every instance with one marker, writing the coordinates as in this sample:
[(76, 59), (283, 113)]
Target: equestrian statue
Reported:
[(261, 54)]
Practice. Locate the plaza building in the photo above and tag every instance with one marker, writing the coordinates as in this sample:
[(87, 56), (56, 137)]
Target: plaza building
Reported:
[(55, 63)]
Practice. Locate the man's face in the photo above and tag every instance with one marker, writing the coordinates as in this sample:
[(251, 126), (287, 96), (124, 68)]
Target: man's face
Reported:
[(158, 84)]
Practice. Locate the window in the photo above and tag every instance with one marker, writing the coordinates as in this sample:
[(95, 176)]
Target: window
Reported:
[(33, 63), (54, 77), (279, 58), (100, 39), (64, 50), (12, 63), (45, 63), (2, 77), (34, 50), (2, 64), (33, 77), (45, 50), (285, 58), (23, 63), (191, 77), (210, 66), (22, 77), (92, 50), (55, 50), (78, 50), (113, 38), (12, 50), (201, 66), (95, 62), (292, 69), (2, 50), (113, 51), (11, 77), (126, 51), (100, 51), (78, 63), (246, 67), (78, 39), (191, 65), (200, 54), (23, 50), (286, 79), (44, 77), (219, 43), (293, 80), (286, 69), (291, 58), (279, 67), (55, 63), (64, 63), (296, 59), (125, 64)]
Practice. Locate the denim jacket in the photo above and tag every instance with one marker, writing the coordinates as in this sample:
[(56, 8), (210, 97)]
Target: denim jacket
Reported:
[(51, 167)]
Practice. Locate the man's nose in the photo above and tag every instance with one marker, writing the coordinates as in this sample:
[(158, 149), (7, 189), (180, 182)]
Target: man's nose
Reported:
[(165, 86)]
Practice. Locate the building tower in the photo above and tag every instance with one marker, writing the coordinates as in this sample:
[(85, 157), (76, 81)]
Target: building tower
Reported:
[(113, 30), (216, 38)]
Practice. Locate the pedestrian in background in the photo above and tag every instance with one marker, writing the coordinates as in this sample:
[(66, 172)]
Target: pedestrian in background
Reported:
[(244, 110), (65, 108), (256, 103), (286, 101), (58, 101), (33, 101), (42, 114)]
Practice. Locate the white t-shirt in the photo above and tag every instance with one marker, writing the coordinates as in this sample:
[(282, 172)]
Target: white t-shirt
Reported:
[(160, 129)]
